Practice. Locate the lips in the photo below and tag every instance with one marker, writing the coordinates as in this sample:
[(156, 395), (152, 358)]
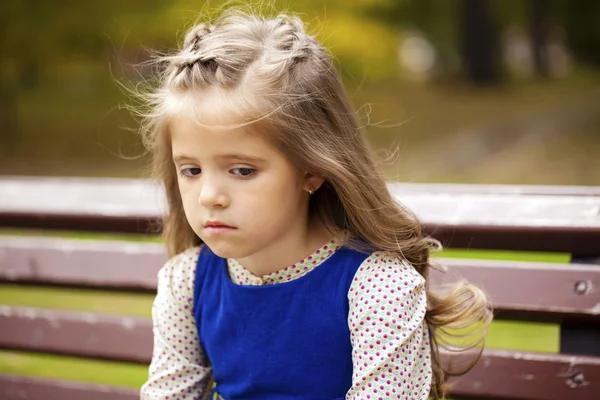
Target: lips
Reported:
[(217, 224)]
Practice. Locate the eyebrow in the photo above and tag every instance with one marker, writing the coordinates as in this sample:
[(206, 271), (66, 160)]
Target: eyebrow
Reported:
[(182, 157), (239, 157), (232, 156)]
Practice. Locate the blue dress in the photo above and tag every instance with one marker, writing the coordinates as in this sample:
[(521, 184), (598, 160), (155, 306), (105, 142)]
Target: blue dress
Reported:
[(284, 341)]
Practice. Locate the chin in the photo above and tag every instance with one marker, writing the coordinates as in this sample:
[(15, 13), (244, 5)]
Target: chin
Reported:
[(223, 250)]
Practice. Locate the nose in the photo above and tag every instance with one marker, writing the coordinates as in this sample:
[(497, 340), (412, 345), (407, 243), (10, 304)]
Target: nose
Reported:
[(212, 195)]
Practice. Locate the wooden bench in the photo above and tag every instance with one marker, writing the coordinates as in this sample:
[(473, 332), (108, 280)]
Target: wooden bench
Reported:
[(522, 218)]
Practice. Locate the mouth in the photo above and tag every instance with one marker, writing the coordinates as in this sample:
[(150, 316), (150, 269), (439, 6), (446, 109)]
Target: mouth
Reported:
[(218, 225)]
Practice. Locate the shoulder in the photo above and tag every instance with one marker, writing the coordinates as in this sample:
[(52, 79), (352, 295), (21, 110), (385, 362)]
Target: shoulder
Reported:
[(183, 262), (383, 271), (178, 273)]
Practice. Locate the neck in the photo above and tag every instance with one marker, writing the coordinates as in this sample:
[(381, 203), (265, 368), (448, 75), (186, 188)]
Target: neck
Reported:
[(287, 250)]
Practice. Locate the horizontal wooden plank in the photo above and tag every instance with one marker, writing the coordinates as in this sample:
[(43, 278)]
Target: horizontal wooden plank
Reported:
[(530, 376), (519, 290), (580, 241), (498, 375), (496, 189), (76, 334), (531, 291), (86, 263), (562, 219), (13, 387), (109, 197)]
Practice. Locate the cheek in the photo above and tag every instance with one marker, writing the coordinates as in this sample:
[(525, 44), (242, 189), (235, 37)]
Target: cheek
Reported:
[(188, 199), (279, 198)]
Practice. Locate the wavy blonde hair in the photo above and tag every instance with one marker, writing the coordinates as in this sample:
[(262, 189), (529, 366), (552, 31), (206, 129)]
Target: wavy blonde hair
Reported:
[(280, 78)]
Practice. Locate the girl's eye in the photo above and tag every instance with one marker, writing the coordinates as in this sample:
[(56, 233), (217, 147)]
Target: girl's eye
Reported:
[(189, 172), (243, 172)]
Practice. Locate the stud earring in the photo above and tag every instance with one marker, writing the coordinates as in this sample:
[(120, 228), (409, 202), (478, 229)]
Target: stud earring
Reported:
[(311, 190)]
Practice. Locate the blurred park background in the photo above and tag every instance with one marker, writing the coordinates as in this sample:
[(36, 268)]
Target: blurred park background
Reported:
[(482, 91), (489, 91)]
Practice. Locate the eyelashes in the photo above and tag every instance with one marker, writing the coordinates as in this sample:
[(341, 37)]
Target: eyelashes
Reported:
[(189, 172), (243, 172)]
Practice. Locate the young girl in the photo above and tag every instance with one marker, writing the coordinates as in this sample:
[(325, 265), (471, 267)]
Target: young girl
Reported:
[(294, 274)]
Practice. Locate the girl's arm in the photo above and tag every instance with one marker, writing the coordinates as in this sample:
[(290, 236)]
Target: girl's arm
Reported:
[(390, 343), (179, 368)]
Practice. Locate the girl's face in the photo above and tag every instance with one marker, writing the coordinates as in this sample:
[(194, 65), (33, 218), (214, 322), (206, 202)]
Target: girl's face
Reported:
[(241, 195)]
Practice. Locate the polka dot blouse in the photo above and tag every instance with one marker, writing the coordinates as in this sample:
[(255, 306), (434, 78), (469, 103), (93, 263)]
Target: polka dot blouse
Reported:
[(390, 341)]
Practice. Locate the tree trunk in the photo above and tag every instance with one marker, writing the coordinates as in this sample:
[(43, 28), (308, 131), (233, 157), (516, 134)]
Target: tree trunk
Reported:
[(480, 43), (540, 26)]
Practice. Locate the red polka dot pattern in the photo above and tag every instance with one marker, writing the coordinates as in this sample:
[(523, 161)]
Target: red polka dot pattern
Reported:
[(241, 276), (390, 341), (179, 368)]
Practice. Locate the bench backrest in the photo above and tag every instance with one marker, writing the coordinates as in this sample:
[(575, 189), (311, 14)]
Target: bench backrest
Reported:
[(557, 219)]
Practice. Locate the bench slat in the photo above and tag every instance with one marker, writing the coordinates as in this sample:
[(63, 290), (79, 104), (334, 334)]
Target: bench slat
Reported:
[(86, 263), (522, 290), (581, 241), (499, 374), (491, 189), (509, 218), (76, 334), (531, 291), (14, 387), (504, 374)]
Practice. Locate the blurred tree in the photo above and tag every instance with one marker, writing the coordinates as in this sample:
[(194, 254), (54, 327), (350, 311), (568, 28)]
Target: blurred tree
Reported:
[(465, 34), (8, 78), (480, 46), (539, 28), (581, 20), (39, 39)]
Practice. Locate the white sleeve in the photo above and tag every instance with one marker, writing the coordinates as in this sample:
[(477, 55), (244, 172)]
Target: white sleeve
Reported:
[(390, 343), (179, 368)]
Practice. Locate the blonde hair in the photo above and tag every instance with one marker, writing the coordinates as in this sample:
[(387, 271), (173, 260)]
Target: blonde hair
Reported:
[(285, 81)]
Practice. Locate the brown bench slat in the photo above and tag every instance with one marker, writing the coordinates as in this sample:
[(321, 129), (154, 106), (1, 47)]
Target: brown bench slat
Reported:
[(497, 219), (87, 263), (578, 241), (575, 240), (530, 376), (491, 189), (129, 339), (13, 387), (521, 290), (531, 291), (499, 374), (76, 334)]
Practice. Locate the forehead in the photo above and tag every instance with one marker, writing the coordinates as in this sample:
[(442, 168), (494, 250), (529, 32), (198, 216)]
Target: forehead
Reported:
[(217, 136), (187, 131), (218, 120)]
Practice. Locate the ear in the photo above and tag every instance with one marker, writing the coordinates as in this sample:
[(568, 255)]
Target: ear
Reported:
[(311, 181)]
